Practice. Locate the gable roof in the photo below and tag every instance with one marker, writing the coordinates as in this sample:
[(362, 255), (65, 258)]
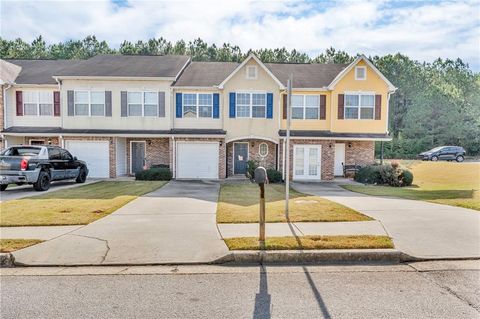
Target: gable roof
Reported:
[(40, 71), (361, 57), (206, 74), (241, 65), (306, 75), (8, 72), (112, 65)]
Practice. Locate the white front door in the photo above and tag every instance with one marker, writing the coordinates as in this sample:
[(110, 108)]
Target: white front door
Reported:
[(197, 160), (94, 153), (339, 158), (306, 162)]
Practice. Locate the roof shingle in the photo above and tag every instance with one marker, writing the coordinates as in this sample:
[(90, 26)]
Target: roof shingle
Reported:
[(206, 73)]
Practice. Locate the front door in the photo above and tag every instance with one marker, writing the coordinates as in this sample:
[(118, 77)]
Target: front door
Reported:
[(307, 159), (240, 158), (138, 156), (339, 158)]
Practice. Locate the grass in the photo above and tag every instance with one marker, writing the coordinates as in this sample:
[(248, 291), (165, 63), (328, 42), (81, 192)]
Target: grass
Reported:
[(239, 203), (74, 206), (310, 242), (9, 245), (449, 183)]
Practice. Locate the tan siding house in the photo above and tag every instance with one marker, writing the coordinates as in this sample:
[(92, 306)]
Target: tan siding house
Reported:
[(204, 120)]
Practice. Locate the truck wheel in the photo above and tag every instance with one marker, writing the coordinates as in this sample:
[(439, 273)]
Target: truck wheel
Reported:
[(43, 182), (82, 176), (3, 187)]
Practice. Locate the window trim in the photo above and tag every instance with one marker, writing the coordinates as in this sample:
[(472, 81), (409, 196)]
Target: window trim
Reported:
[(37, 93), (359, 107), (259, 150), (304, 107), (364, 72), (142, 103), (250, 105), (197, 105), (89, 103), (247, 74)]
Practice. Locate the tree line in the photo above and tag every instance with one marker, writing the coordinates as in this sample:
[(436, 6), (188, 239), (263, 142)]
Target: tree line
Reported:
[(435, 104)]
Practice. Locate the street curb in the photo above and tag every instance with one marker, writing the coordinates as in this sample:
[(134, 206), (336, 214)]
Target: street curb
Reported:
[(316, 256), (7, 260)]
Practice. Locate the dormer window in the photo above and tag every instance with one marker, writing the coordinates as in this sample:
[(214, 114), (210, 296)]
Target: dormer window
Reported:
[(251, 72), (360, 73)]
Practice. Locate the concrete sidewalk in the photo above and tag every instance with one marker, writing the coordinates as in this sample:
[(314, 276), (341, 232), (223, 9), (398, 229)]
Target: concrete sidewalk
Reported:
[(36, 232), (300, 229), (419, 229), (174, 224)]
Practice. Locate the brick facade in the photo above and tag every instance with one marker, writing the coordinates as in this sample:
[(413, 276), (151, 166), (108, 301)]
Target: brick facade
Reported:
[(268, 161), (157, 151), (222, 151), (356, 153), (47, 140)]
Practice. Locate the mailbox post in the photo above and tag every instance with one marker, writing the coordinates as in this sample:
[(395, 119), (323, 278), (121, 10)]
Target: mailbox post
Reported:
[(260, 177)]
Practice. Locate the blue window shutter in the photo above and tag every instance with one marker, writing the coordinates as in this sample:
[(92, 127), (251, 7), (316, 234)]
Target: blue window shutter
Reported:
[(178, 103), (216, 105), (232, 105), (269, 105)]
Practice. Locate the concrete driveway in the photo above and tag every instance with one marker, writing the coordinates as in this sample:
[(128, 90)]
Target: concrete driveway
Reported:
[(17, 192), (174, 224), (419, 229)]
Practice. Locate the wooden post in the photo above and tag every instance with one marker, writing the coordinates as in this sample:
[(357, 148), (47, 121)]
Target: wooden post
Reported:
[(262, 215)]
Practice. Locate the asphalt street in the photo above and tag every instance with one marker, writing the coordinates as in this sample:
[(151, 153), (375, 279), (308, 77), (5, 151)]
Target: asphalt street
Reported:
[(419, 290)]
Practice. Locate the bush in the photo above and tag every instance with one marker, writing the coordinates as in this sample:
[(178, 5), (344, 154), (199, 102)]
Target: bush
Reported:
[(251, 166), (274, 176), (154, 174), (160, 166), (387, 174)]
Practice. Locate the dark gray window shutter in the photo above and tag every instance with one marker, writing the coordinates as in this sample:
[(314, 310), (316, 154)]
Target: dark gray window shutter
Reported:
[(341, 109), (124, 106), (71, 103), (108, 103), (161, 104), (378, 107)]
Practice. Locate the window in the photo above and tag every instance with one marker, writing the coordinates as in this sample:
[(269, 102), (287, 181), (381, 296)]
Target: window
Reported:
[(90, 103), (190, 105), (263, 149), (66, 156), (38, 103), (205, 105), (81, 103), (150, 104), (359, 106), (251, 72), (305, 107), (142, 103), (251, 105), (360, 73), (54, 154), (243, 104)]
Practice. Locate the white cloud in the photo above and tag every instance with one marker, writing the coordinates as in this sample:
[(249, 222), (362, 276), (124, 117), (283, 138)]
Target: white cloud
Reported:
[(423, 31)]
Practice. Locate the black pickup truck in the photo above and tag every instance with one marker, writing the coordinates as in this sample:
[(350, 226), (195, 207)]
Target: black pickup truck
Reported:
[(39, 166)]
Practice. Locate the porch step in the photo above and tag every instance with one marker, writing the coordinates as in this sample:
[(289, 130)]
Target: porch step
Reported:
[(237, 177)]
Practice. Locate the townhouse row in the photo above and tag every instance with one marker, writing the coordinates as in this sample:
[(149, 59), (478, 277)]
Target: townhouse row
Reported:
[(204, 120)]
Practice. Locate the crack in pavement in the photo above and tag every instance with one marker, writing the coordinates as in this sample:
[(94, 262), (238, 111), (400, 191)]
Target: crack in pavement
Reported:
[(100, 239)]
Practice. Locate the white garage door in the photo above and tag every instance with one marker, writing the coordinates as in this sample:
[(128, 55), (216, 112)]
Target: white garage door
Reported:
[(95, 153), (197, 160)]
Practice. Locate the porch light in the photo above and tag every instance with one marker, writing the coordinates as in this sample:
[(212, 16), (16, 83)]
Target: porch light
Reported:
[(349, 144), (49, 141), (149, 142)]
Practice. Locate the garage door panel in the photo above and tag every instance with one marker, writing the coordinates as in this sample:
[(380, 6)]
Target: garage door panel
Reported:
[(94, 153), (197, 160)]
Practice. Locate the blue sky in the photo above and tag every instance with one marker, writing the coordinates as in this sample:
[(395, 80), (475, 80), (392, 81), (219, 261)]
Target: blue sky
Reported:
[(424, 30)]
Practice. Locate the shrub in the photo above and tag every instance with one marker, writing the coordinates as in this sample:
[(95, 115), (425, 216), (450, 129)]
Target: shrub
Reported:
[(251, 166), (154, 174), (387, 174), (160, 166), (274, 176)]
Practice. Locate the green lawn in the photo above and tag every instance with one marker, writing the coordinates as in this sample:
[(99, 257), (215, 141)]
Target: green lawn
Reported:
[(310, 242), (9, 245), (449, 183), (239, 203), (74, 206)]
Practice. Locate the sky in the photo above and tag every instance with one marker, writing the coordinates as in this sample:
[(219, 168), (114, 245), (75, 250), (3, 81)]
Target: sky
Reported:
[(423, 30)]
